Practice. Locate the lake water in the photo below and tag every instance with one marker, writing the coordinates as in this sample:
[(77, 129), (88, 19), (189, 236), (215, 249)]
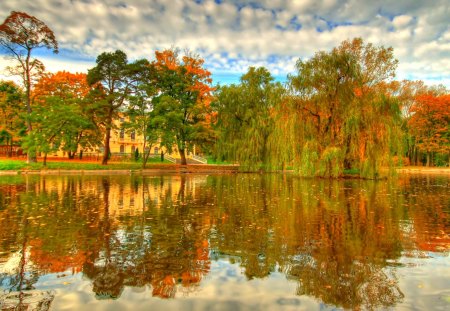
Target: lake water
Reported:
[(224, 242)]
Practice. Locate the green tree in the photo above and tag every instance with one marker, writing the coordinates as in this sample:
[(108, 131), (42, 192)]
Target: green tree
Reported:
[(339, 100), (11, 107), (181, 107), (61, 106), (244, 118), (118, 78), (139, 112), (20, 34)]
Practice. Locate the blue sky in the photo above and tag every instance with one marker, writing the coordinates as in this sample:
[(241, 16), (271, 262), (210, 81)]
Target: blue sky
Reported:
[(233, 35)]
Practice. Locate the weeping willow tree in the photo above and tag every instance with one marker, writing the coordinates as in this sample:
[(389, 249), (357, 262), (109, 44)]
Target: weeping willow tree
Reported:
[(244, 120), (339, 115)]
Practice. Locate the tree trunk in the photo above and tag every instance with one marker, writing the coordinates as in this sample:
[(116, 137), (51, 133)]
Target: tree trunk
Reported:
[(45, 159), (428, 159), (182, 157), (10, 152), (107, 139), (31, 156), (162, 156)]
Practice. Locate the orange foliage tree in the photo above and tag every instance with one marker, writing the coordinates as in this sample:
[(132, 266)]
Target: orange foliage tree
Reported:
[(183, 104), (20, 34), (430, 124), (62, 117)]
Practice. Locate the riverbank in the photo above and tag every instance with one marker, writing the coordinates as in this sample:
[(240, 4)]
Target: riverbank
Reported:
[(123, 169), (424, 170), (74, 167)]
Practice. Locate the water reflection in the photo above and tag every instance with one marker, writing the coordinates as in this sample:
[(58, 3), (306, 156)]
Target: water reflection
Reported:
[(340, 241)]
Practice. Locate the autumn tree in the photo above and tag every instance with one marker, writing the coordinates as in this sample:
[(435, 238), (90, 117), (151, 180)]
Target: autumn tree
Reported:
[(184, 95), (244, 120), (338, 100), (20, 35), (11, 124), (430, 124), (118, 78), (61, 114)]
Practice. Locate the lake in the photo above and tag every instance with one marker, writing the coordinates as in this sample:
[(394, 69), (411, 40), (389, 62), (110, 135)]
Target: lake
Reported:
[(224, 242)]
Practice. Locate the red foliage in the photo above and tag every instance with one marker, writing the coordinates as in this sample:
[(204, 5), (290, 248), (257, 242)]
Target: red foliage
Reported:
[(430, 122)]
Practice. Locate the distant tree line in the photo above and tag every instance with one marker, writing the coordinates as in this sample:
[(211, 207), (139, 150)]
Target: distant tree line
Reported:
[(341, 110)]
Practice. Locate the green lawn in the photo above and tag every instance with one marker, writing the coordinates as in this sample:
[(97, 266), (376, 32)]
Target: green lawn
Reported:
[(15, 165), (212, 160)]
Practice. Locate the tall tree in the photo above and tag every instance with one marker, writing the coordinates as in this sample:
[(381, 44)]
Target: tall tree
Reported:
[(339, 99), (139, 113), (183, 101), (118, 78), (406, 93), (244, 120), (20, 34)]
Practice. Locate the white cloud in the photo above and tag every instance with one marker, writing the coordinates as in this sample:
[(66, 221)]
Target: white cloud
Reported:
[(418, 31)]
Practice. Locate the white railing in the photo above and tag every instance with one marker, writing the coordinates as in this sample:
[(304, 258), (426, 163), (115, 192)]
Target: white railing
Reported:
[(166, 157), (174, 160), (199, 159), (170, 158)]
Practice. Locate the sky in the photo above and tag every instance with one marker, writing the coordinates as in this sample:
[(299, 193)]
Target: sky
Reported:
[(233, 35)]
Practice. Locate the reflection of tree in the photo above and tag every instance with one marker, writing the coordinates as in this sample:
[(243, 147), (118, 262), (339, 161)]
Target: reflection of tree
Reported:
[(20, 278), (107, 276), (359, 284), (334, 238), (165, 246), (179, 253), (429, 213)]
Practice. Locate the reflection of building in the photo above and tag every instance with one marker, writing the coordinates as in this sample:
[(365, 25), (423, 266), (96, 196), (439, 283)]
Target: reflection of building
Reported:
[(123, 197)]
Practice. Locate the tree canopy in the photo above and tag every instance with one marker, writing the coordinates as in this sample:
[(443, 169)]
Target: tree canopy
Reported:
[(244, 120), (183, 102), (341, 110), (20, 34), (117, 78)]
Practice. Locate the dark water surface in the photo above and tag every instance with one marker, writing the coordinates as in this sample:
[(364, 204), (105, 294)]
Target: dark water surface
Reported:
[(224, 242)]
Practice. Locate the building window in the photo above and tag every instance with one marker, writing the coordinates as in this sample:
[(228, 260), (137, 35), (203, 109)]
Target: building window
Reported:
[(122, 120), (122, 148), (156, 150), (133, 149), (133, 135), (122, 133)]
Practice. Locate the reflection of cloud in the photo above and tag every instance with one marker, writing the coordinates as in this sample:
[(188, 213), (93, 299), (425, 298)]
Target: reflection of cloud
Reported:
[(12, 265), (427, 285), (27, 300), (254, 31)]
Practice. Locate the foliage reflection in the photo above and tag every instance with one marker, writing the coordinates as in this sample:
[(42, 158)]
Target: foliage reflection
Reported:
[(339, 240)]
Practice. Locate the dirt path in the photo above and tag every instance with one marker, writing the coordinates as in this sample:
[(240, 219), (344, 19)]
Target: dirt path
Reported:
[(424, 170)]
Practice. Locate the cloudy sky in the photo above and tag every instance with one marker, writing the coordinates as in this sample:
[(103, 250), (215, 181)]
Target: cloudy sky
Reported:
[(232, 35)]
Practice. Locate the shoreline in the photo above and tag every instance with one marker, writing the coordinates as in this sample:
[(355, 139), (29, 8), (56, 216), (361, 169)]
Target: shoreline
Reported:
[(159, 170), (191, 169), (423, 170)]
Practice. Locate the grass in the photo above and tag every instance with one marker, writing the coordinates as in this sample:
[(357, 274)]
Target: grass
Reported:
[(211, 160), (15, 165), (352, 171)]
